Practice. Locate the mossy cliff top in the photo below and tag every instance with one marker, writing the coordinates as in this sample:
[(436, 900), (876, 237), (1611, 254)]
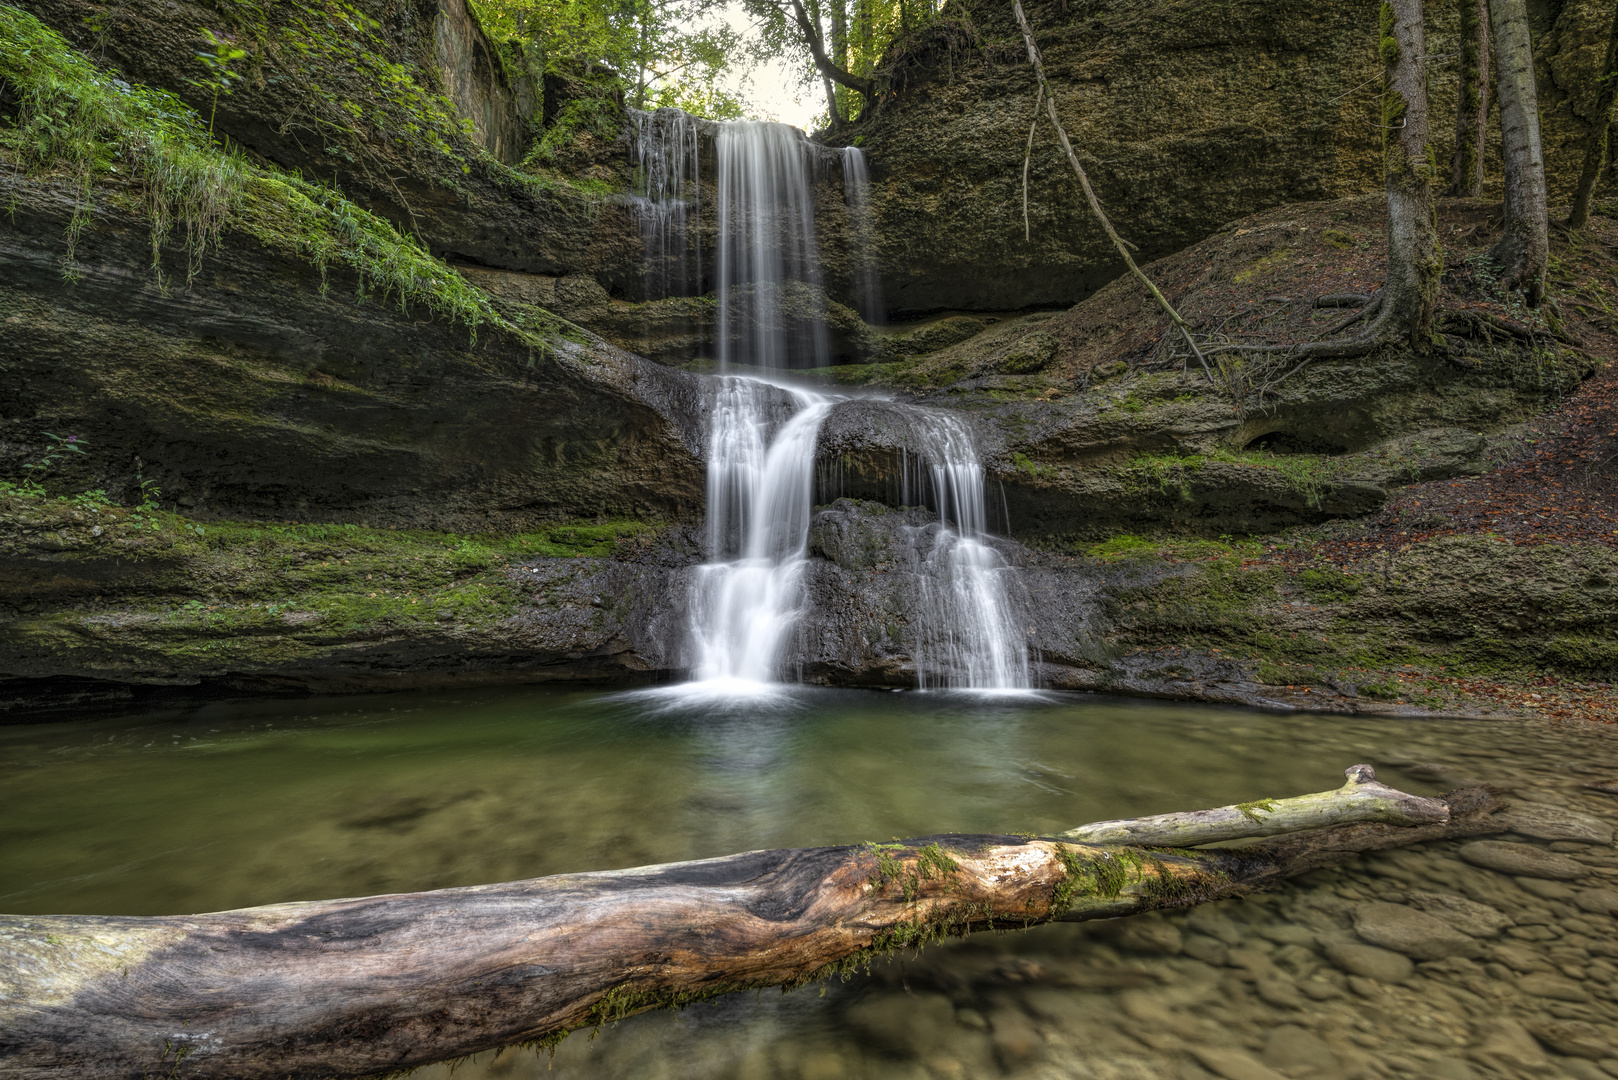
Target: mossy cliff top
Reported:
[(259, 345), (410, 110)]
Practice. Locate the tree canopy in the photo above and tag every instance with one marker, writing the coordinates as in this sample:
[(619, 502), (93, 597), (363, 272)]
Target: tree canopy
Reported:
[(681, 52)]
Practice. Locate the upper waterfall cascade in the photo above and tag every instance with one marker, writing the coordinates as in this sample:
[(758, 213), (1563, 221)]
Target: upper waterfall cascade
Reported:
[(748, 603)]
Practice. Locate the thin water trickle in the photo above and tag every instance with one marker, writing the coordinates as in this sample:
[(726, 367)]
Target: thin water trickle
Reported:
[(668, 205), (867, 283)]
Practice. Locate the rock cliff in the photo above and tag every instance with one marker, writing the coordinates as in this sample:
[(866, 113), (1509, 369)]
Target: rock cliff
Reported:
[(1189, 115)]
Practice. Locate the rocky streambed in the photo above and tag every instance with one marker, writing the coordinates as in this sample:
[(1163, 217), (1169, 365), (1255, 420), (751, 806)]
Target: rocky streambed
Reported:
[(1489, 958)]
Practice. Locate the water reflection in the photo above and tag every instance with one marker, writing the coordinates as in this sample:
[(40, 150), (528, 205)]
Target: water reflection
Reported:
[(242, 803)]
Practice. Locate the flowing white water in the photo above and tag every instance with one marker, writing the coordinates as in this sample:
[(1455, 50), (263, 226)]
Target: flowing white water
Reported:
[(768, 318), (867, 282), (669, 203), (748, 601), (969, 634)]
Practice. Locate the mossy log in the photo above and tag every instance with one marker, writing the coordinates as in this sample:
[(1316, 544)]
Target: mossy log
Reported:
[(384, 983)]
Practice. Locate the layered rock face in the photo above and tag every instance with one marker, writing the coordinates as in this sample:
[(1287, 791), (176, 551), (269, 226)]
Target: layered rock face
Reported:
[(268, 389), (1187, 115)]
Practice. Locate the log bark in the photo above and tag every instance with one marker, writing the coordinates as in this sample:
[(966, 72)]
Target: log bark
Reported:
[(1595, 143), (1472, 106), (377, 984), (1361, 798), (1524, 244)]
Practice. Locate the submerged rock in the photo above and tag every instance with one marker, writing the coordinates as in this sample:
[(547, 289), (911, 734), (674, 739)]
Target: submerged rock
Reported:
[(1544, 822), (1522, 859), (1411, 932), (1467, 916), (1370, 961)]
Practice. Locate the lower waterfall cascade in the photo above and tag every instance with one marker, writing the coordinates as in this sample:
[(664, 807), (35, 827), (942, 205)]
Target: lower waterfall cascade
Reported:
[(748, 602), (969, 631)]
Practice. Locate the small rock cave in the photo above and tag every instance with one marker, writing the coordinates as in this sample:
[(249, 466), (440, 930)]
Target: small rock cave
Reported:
[(1289, 442)]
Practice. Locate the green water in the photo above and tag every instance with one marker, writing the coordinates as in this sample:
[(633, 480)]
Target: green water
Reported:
[(233, 804)]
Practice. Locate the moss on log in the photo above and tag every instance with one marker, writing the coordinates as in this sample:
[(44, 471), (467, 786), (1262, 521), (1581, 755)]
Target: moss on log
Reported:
[(378, 984)]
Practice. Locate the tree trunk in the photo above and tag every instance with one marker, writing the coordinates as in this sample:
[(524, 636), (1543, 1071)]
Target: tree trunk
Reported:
[(1595, 143), (1472, 108), (357, 987), (1524, 245), (817, 51), (1410, 293), (839, 33), (834, 118)]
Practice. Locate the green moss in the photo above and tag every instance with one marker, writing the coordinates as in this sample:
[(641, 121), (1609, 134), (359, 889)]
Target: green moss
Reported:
[(147, 149), (888, 869), (1327, 583), (1102, 874), (1252, 810), (1581, 654), (1122, 547), (620, 1001), (77, 121), (1165, 886), (1306, 474), (855, 374), (264, 593), (1263, 266), (933, 861), (1024, 464)]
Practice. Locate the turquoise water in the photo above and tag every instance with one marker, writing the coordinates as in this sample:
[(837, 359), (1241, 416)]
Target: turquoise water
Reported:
[(233, 804)]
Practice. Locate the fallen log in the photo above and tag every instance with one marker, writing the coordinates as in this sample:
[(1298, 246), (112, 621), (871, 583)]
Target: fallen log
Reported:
[(383, 983)]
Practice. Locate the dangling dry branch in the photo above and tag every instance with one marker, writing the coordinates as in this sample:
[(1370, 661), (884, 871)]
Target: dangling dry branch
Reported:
[(1027, 156), (1089, 192), (357, 987)]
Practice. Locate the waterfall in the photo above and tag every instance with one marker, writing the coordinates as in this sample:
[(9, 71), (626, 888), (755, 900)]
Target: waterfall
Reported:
[(668, 205), (968, 633), (748, 601), (767, 249), (867, 284)]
